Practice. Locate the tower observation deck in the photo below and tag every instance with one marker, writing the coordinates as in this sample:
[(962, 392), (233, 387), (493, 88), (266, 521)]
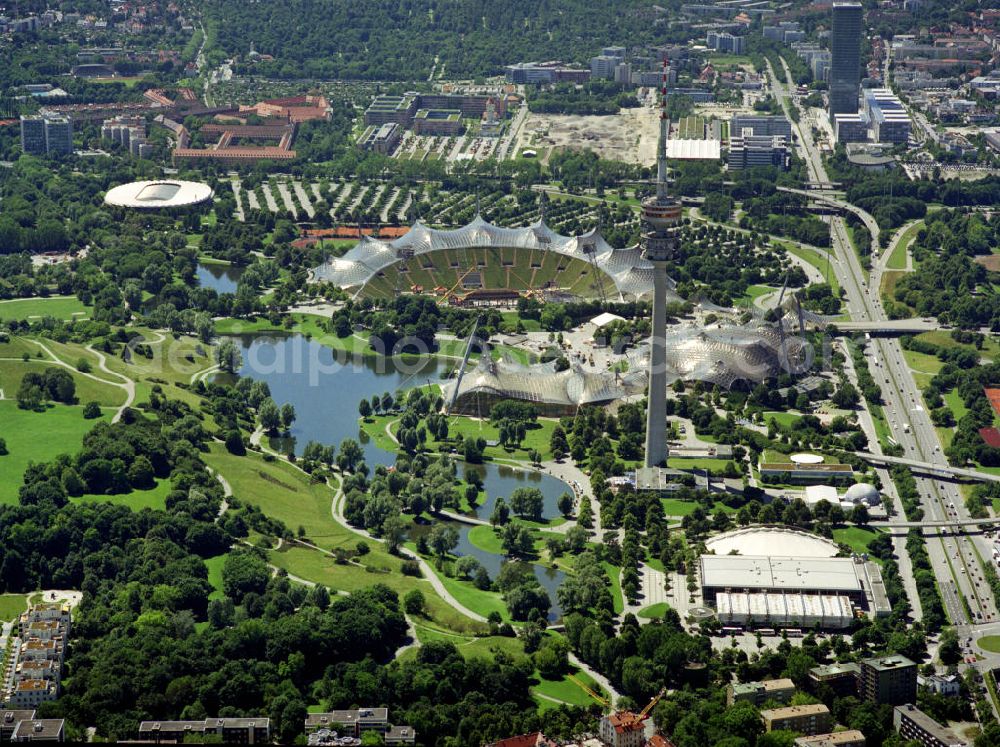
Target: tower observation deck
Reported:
[(662, 216)]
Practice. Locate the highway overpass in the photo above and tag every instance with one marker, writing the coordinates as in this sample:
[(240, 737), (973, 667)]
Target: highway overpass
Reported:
[(931, 469)]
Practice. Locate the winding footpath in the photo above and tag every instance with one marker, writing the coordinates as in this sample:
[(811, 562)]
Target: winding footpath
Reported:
[(127, 383)]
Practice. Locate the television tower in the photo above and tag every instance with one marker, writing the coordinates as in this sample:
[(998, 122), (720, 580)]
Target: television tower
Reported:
[(662, 216)]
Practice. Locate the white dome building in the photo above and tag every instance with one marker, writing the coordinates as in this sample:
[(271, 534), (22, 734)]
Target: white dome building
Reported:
[(862, 492)]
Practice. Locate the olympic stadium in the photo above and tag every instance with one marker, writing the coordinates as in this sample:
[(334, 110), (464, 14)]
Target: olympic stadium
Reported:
[(484, 262)]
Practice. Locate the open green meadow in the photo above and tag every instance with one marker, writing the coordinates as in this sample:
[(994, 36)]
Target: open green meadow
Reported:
[(12, 605), (154, 498), (64, 308), (30, 437)]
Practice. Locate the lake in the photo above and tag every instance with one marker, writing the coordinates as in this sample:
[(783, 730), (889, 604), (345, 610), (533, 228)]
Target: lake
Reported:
[(325, 387), (220, 278), (549, 578)]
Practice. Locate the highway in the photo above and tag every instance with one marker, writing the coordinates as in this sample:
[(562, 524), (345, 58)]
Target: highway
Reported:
[(956, 559)]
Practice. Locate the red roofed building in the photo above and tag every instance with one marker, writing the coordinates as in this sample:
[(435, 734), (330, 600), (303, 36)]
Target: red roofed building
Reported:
[(292, 108), (991, 436), (659, 741), (623, 729)]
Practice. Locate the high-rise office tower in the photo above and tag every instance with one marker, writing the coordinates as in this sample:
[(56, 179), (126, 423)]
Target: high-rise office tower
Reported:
[(845, 58), (41, 134), (662, 216)]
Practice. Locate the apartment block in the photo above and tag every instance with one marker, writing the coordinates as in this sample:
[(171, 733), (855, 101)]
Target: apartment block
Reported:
[(805, 719), (914, 725), (759, 693), (842, 679), (849, 738), (888, 679), (253, 730)]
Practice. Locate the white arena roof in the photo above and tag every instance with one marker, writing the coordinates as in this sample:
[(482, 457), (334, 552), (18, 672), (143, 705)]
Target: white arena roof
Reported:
[(765, 541), (694, 150), (779, 574), (158, 195)]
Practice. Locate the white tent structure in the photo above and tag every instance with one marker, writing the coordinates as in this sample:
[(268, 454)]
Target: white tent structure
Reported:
[(631, 274)]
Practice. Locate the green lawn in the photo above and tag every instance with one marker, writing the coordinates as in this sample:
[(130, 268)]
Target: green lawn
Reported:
[(215, 575), (881, 424), (989, 643), (12, 605), (614, 573), (154, 498), (284, 492), (65, 308), (36, 437), (476, 600), (857, 538), (566, 690), (87, 389), (786, 419), (924, 366), (817, 260), (700, 463), (897, 260), (319, 568), (654, 611), (485, 539), (677, 507), (955, 403), (990, 349), (536, 438)]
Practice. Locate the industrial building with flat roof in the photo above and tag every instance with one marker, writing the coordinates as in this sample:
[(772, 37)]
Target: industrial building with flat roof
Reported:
[(761, 124), (792, 472), (805, 719), (914, 725), (790, 591)]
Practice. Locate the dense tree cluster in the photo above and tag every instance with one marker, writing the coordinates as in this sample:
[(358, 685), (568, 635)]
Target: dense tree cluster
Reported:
[(403, 42)]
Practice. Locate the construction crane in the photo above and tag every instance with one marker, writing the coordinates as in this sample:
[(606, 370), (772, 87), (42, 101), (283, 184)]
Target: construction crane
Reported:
[(649, 706), (451, 291), (580, 683)]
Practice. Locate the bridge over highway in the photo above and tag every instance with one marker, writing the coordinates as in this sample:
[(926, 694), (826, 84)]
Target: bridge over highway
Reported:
[(931, 469), (922, 524), (864, 215), (891, 327)]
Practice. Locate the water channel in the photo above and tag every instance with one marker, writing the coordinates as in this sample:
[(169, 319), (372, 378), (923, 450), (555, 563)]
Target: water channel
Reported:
[(325, 387)]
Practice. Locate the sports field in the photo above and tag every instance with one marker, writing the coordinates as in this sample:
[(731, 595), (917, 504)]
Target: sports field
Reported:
[(458, 271)]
